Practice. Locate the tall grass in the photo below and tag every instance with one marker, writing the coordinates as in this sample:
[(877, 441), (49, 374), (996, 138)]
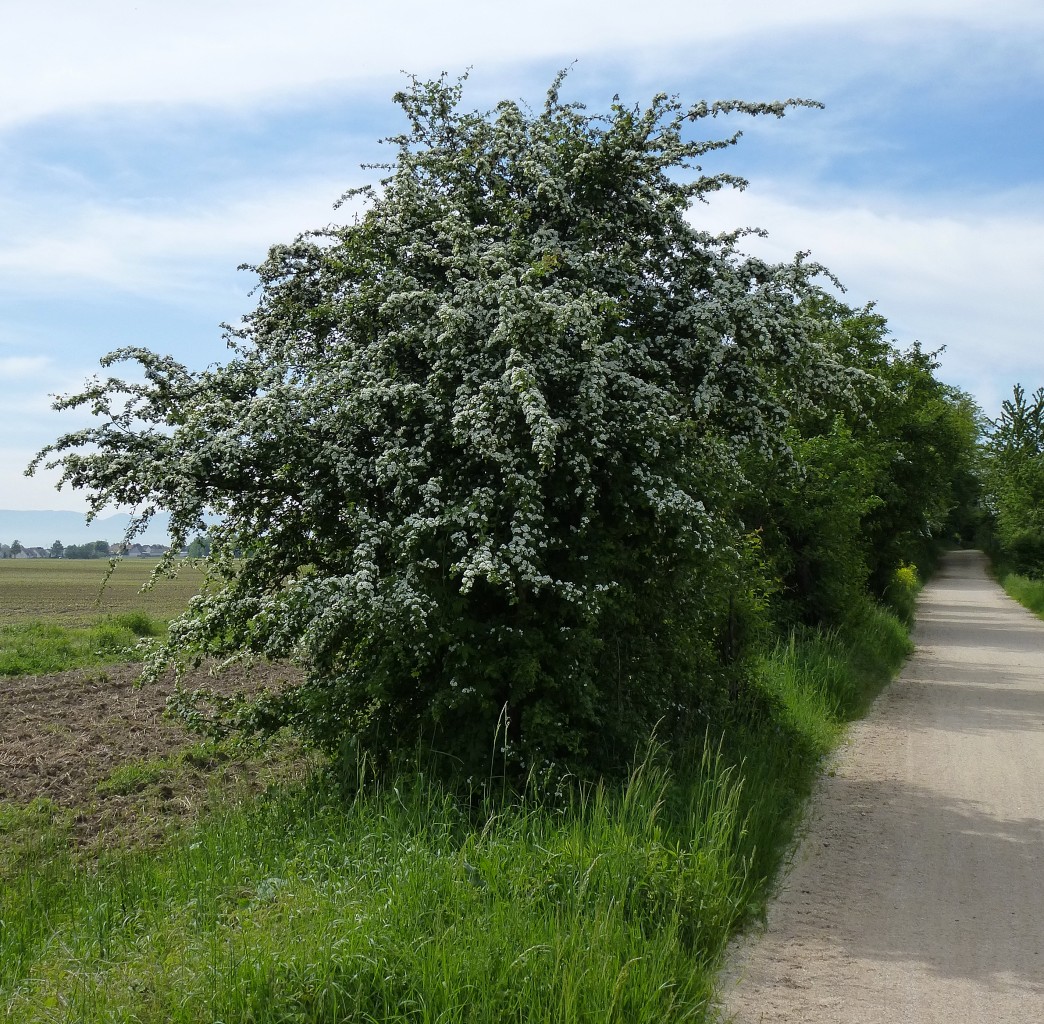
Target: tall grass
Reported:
[(397, 901), (1027, 591), (399, 904)]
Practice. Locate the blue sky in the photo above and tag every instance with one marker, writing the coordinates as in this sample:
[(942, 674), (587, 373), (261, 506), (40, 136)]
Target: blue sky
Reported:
[(147, 149)]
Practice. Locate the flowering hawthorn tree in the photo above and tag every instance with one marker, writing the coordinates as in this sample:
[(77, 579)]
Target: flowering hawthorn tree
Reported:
[(473, 454)]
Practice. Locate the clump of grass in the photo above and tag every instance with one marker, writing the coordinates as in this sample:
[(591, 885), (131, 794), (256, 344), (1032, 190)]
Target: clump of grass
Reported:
[(207, 759), (134, 776), (38, 647), (140, 624), (402, 904)]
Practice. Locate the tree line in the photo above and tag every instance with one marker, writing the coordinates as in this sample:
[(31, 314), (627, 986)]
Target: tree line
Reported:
[(524, 458), (92, 549), (1014, 475), (198, 547)]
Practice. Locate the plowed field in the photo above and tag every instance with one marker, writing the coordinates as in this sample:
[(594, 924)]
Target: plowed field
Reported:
[(90, 741)]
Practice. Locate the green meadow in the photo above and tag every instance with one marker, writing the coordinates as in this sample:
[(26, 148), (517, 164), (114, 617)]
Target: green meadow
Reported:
[(75, 592)]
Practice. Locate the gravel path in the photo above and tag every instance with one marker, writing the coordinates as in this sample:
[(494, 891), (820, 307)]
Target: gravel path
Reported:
[(917, 894)]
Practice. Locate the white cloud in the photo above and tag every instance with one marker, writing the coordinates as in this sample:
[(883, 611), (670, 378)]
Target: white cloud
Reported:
[(29, 423), (961, 274), (19, 368), (66, 55), (167, 253), (967, 276)]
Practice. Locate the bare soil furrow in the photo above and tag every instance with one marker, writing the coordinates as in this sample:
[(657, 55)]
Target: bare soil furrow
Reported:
[(62, 736)]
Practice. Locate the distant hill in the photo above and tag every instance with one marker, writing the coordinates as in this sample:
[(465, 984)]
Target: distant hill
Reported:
[(42, 529)]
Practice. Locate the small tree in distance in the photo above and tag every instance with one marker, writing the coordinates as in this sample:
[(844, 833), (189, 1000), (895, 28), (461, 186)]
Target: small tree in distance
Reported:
[(475, 452), (199, 546), (1015, 472)]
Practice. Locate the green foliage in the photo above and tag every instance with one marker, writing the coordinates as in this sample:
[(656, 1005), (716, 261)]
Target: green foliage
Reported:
[(927, 434), (1025, 550), (92, 549), (199, 546), (879, 478), (902, 592), (1015, 475), (814, 520), (476, 453)]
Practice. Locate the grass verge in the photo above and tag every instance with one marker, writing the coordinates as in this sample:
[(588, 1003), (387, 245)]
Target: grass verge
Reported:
[(399, 902), (1028, 592)]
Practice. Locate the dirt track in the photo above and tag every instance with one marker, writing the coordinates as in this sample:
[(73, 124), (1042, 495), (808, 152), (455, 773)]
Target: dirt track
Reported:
[(917, 894)]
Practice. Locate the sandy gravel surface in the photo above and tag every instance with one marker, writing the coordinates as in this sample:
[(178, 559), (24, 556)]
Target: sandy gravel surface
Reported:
[(917, 894)]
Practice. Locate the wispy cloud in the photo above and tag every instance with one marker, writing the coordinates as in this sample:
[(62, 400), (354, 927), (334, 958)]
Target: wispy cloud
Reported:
[(197, 51), (169, 254), (18, 368), (966, 278)]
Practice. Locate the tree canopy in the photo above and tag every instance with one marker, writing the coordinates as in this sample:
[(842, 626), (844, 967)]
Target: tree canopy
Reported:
[(478, 454), (1015, 475)]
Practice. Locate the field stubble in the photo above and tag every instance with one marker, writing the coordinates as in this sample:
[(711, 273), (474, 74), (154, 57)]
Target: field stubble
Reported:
[(74, 592)]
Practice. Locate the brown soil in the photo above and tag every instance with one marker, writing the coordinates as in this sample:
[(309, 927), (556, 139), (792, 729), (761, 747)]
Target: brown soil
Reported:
[(916, 894), (63, 735)]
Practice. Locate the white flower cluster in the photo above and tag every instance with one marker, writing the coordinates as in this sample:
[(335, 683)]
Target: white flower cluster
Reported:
[(522, 382)]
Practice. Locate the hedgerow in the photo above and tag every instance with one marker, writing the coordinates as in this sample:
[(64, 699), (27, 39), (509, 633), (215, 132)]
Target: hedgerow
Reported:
[(476, 454)]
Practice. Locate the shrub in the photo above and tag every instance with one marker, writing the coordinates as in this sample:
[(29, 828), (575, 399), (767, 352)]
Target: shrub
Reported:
[(138, 623), (902, 591), (475, 452)]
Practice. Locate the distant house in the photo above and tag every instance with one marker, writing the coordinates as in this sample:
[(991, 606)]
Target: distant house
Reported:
[(32, 553), (145, 551)]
